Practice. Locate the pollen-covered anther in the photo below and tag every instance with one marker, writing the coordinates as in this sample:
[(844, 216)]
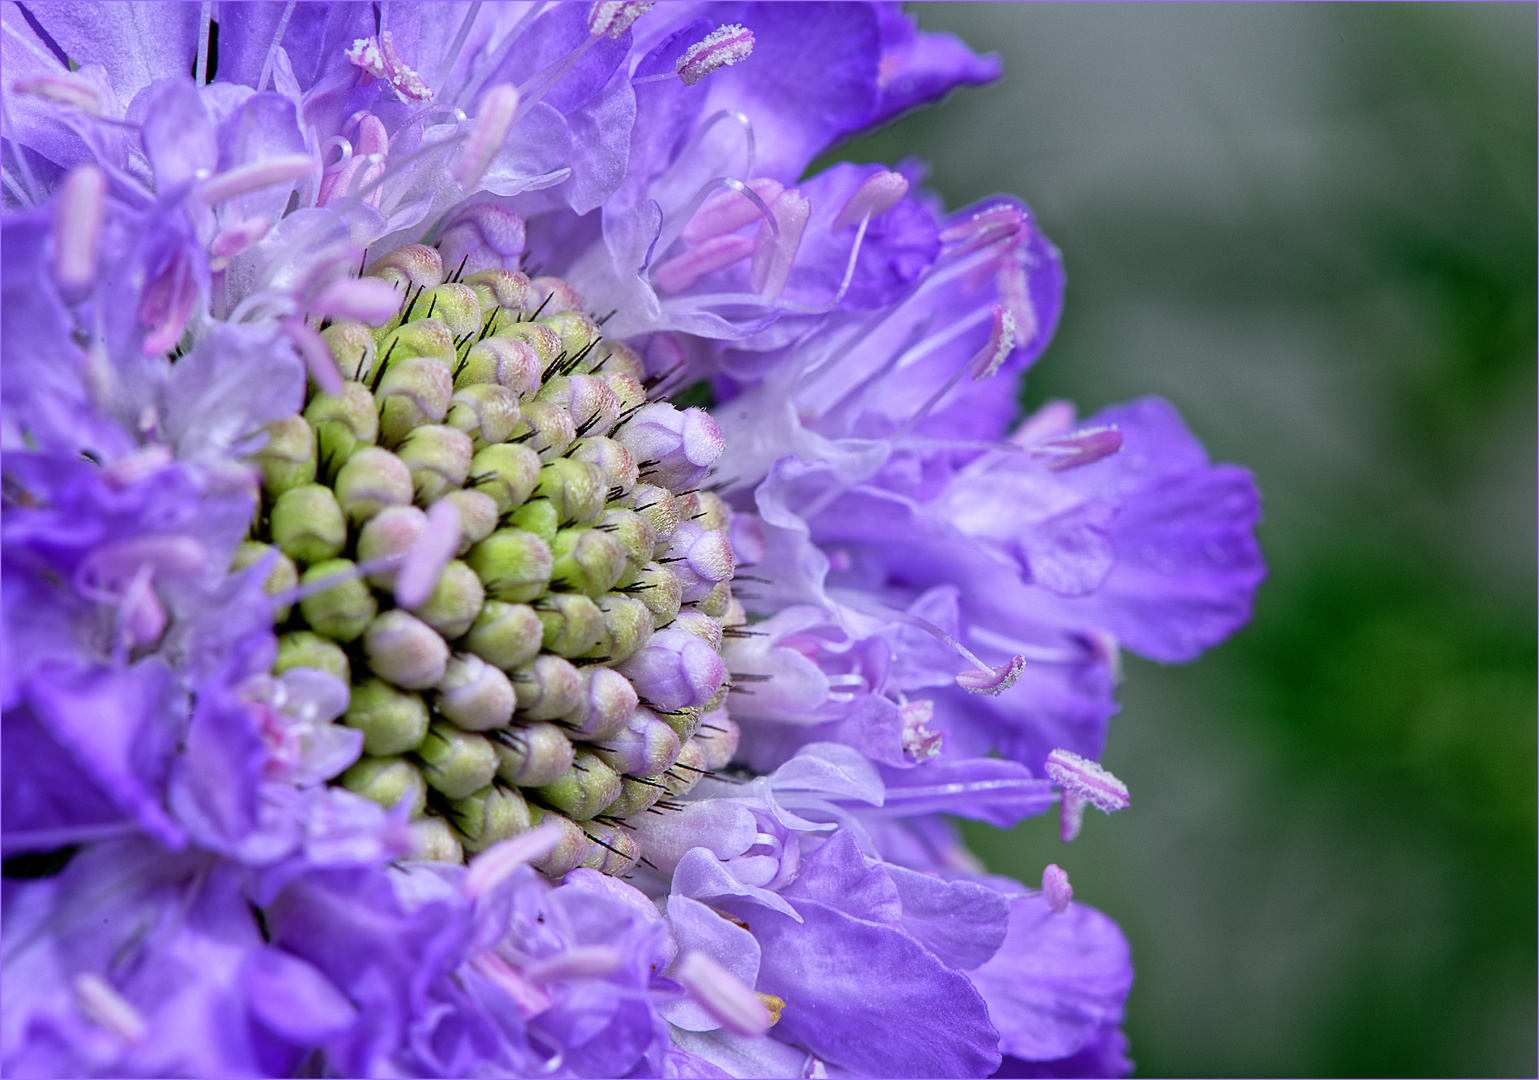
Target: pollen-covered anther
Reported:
[(879, 193), (1087, 780), (613, 18), (721, 48), (919, 742), (997, 348), (377, 56), (723, 995), (994, 681), (499, 107), (78, 225), (1056, 889), (1081, 448)]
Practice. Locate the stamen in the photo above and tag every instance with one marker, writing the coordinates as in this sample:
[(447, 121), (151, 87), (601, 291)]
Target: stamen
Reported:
[(579, 962), (378, 57), (984, 680), (682, 271), (369, 300), (78, 225), (66, 90), (919, 742), (107, 1008), (613, 18), (530, 1000), (1001, 341), (992, 681), (1056, 888), (723, 995), (259, 174), (728, 211), (774, 251), (498, 108), (272, 50), (983, 228), (1084, 778), (429, 555), (1071, 815), (721, 48), (1080, 448), (879, 194)]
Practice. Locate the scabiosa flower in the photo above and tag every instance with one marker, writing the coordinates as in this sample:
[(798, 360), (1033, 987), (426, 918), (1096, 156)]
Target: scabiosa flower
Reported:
[(382, 690)]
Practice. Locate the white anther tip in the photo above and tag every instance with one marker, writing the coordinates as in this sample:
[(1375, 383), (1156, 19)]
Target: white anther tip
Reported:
[(78, 225), (1056, 888), (993, 681), (499, 108), (723, 47)]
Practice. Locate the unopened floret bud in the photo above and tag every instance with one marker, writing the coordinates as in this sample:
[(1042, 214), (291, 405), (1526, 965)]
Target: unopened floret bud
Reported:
[(415, 391), (538, 516), (288, 459), (489, 816), (388, 781), (485, 412), (614, 852), (456, 762), (478, 516), (636, 796), (588, 399), (716, 740), (307, 524), (343, 423), (548, 689), (589, 561), (416, 265), (645, 746), (613, 460), (575, 330), (455, 602), (660, 509), (718, 601), (701, 558), (574, 625), (575, 488), (544, 341), (629, 623), (433, 840), (570, 850), (507, 289), (511, 363), (583, 790), (421, 338), (404, 649), (392, 721), (513, 565), (606, 706), (675, 670), (685, 773), (505, 635), (627, 386), (475, 695), (548, 427), (281, 576), (371, 480), (386, 538), (660, 590), (438, 457), (555, 294), (506, 472), (455, 304), (352, 347), (530, 755), (681, 445), (343, 610), (306, 648), (701, 625)]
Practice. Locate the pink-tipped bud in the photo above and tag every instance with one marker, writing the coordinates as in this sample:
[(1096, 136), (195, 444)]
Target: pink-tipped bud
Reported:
[(1080, 448), (1056, 888), (532, 755), (1084, 778), (71, 91), (485, 237), (427, 558), (721, 48), (499, 107), (701, 558), (280, 169), (723, 995), (774, 253), (415, 264), (367, 300), (645, 746), (729, 210), (879, 194), (609, 703), (78, 225), (994, 681), (919, 742), (613, 18), (1001, 341)]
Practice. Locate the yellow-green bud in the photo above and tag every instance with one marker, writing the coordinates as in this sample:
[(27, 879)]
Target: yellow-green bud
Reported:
[(454, 603), (413, 392), (288, 459), (545, 342), (532, 754), (344, 610), (488, 816), (614, 461), (547, 425), (506, 472), (474, 695), (715, 602), (478, 516), (583, 790), (548, 689), (570, 850), (438, 457), (371, 480), (658, 506), (456, 762), (626, 387), (513, 565), (575, 488), (574, 625), (539, 517), (415, 265), (392, 721), (499, 361), (280, 579), (342, 424), (718, 742), (574, 329), (636, 797), (307, 524), (588, 561), (432, 840), (485, 412), (507, 636), (660, 590), (686, 770), (614, 850), (701, 625), (618, 358), (634, 534), (629, 623), (457, 306), (683, 722), (506, 289), (427, 338), (388, 781), (352, 347), (390, 534), (306, 648), (404, 649), (718, 699), (710, 511)]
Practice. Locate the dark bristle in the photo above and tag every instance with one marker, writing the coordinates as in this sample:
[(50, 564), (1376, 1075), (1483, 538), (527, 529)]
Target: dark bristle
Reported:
[(461, 270), (606, 318), (536, 313), (740, 676)]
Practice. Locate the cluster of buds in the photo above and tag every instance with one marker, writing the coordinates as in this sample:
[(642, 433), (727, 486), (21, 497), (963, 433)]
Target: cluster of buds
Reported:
[(501, 544)]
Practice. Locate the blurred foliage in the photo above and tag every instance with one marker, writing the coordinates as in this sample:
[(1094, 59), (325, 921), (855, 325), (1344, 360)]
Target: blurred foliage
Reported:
[(1378, 717)]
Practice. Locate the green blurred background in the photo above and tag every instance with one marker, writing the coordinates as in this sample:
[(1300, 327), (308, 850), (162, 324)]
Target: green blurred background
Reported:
[(1313, 229)]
